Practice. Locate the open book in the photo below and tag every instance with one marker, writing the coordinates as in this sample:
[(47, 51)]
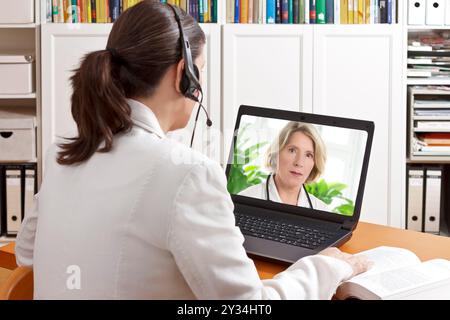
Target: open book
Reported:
[(398, 274)]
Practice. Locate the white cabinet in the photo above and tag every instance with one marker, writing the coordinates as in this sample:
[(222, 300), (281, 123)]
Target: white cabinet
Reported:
[(63, 45), (267, 66), (342, 70), (358, 74)]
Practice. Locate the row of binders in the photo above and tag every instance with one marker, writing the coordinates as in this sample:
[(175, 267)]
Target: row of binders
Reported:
[(107, 11), (429, 12), (425, 199), (311, 11), (18, 185)]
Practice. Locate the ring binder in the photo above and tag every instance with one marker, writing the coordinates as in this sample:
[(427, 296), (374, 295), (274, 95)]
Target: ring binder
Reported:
[(433, 200), (414, 214), (18, 185)]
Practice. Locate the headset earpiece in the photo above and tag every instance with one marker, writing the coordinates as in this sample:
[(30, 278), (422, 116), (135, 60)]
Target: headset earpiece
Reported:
[(184, 83), (187, 86)]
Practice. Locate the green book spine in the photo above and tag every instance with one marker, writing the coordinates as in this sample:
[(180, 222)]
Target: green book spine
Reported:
[(214, 11), (301, 14), (321, 14), (291, 11)]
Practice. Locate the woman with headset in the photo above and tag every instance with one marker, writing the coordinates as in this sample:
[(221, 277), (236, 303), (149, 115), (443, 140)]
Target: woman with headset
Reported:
[(296, 156), (116, 217)]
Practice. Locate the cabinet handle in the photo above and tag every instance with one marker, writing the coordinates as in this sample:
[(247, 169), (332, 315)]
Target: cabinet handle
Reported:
[(6, 134)]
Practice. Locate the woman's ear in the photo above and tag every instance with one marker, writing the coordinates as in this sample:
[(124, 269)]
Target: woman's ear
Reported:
[(179, 75)]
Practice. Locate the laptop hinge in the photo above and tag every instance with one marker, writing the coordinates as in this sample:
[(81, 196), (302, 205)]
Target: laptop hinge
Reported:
[(348, 225)]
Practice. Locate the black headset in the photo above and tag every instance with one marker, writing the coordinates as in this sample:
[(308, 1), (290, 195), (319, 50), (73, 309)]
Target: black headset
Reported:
[(190, 84)]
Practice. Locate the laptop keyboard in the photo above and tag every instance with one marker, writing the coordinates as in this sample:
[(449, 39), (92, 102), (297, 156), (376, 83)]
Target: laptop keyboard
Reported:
[(296, 235)]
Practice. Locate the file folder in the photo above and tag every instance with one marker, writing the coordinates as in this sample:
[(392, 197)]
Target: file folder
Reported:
[(414, 212), (2, 201), (433, 201), (416, 12), (30, 190), (13, 201), (435, 12), (447, 12)]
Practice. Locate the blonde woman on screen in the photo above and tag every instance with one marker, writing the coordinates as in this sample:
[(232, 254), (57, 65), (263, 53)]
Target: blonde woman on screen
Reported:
[(296, 157)]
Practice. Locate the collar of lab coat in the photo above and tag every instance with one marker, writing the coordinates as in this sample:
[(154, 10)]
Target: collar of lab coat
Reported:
[(144, 118), (273, 193)]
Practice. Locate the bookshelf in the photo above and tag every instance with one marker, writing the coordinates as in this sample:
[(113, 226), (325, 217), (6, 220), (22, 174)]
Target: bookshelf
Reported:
[(22, 39), (427, 101)]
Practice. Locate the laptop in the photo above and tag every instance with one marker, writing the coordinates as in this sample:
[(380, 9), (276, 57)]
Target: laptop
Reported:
[(296, 180)]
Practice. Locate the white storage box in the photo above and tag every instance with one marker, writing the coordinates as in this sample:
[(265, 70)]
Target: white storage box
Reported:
[(16, 74), (16, 11), (17, 134)]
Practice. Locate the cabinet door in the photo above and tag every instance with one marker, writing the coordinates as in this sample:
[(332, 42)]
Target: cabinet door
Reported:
[(266, 66), (63, 45), (357, 74)]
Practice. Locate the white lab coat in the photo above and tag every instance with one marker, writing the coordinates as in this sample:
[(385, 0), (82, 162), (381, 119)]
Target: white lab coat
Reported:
[(135, 223), (259, 191)]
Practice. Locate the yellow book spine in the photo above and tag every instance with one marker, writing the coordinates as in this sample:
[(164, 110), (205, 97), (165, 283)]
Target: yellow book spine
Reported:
[(208, 11), (367, 12), (355, 11), (350, 12), (89, 11), (183, 5), (101, 13), (361, 12), (244, 12), (344, 11)]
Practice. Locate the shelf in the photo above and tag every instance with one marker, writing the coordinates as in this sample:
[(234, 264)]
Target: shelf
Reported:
[(428, 81), (428, 27), (415, 91), (428, 159), (431, 118), (432, 130), (430, 107), (18, 96), (432, 154), (18, 26)]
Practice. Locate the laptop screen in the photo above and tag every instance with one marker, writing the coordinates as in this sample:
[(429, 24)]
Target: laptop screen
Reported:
[(298, 163)]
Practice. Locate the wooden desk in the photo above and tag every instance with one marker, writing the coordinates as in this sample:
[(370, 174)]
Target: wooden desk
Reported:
[(366, 236), (7, 258)]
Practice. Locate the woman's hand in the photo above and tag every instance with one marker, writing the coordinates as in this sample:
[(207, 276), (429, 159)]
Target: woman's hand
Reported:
[(359, 263)]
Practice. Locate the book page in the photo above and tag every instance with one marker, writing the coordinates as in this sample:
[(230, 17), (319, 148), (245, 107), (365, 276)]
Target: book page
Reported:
[(387, 258), (400, 281)]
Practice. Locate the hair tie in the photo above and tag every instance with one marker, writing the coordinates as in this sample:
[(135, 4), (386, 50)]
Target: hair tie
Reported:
[(116, 56)]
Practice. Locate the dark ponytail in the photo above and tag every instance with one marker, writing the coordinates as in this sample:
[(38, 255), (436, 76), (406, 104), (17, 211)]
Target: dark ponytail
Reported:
[(99, 108), (143, 44)]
